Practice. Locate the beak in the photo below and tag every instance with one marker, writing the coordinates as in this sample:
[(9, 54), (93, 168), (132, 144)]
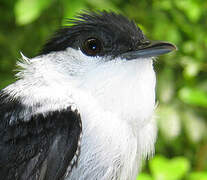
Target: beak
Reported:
[(150, 49)]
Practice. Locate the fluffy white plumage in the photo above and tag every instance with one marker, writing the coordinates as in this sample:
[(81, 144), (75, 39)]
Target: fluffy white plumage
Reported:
[(115, 98)]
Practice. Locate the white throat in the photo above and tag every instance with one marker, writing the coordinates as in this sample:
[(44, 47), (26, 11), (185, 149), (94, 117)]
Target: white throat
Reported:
[(124, 87)]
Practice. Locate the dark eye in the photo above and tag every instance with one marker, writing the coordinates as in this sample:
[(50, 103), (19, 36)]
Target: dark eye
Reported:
[(92, 47)]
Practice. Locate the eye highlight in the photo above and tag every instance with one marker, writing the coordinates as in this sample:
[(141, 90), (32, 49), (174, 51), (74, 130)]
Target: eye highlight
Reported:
[(92, 47)]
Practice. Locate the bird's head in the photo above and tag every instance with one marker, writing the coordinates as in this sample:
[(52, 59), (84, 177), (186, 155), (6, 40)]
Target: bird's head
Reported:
[(99, 51), (106, 35), (103, 54), (98, 37)]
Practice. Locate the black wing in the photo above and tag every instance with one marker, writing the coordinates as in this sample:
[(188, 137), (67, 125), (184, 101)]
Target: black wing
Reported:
[(41, 148)]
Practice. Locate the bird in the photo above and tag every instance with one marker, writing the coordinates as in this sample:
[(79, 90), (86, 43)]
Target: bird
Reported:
[(83, 108)]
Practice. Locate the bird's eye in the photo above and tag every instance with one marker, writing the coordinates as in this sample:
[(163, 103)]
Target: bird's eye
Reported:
[(92, 47)]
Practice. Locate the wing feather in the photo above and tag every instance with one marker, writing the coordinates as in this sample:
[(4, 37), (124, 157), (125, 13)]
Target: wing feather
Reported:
[(41, 148)]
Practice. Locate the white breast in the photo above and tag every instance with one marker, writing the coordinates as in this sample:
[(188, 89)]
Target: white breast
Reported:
[(116, 100), (117, 119)]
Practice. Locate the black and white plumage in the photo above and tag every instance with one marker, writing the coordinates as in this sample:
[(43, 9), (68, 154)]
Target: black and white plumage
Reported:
[(49, 141), (82, 109)]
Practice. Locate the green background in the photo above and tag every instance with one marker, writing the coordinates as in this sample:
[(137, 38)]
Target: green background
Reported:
[(181, 148)]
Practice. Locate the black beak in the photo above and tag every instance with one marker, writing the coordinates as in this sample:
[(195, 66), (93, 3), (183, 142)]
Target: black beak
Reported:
[(149, 49)]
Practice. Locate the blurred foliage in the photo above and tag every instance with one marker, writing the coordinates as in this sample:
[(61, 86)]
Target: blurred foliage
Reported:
[(182, 75), (177, 168)]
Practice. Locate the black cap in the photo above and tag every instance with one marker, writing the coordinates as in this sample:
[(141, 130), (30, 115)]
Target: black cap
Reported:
[(116, 36)]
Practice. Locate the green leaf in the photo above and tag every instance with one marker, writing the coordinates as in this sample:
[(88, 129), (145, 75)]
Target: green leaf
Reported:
[(197, 176), (164, 169), (163, 4), (144, 176), (71, 8), (103, 5), (27, 11), (191, 8), (191, 66), (5, 80), (193, 96)]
